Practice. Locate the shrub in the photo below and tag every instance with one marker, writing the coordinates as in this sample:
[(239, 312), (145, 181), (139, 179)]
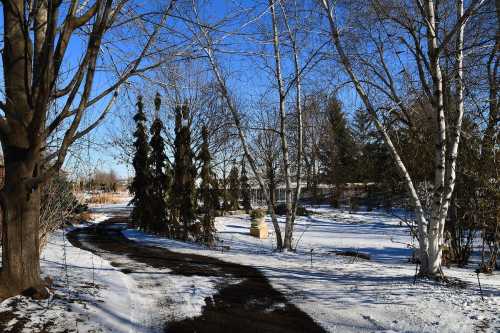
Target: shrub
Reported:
[(353, 204), (302, 211), (57, 205), (257, 214), (281, 210)]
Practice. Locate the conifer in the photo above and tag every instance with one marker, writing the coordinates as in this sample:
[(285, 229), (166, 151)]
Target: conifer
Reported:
[(141, 184), (160, 180)]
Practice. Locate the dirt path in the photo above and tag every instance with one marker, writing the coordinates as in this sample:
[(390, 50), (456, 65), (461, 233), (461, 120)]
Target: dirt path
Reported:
[(249, 305)]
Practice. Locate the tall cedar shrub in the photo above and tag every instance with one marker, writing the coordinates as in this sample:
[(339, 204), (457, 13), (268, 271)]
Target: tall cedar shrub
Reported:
[(207, 193), (245, 188), (234, 187), (183, 201), (160, 175), (141, 184)]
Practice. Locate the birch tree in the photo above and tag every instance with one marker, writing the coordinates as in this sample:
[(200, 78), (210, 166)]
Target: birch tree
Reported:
[(282, 126), (448, 118)]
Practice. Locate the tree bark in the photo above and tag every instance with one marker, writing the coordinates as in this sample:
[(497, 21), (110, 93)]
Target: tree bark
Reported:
[(20, 236), (30, 74)]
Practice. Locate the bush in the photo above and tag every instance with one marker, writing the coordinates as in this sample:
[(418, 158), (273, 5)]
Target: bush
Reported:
[(353, 204), (257, 214), (281, 210), (57, 204), (302, 211)]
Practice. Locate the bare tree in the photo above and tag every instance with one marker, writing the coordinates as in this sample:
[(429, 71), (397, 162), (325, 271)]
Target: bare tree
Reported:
[(428, 62), (41, 101)]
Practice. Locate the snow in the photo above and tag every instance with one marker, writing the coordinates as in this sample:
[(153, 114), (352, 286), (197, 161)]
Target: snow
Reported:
[(343, 294), (346, 294), (92, 294)]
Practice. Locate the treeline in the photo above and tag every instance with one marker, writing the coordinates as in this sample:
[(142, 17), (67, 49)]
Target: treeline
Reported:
[(180, 198), (106, 181)]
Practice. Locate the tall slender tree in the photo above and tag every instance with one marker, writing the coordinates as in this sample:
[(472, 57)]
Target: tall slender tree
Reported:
[(207, 193), (184, 190), (245, 188), (160, 174), (141, 184)]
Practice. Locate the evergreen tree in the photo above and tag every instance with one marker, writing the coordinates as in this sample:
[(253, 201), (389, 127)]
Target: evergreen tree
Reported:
[(183, 201), (141, 184), (245, 188), (339, 148), (160, 180), (207, 192), (234, 187)]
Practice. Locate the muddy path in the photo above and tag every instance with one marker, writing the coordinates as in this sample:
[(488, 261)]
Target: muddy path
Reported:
[(250, 304)]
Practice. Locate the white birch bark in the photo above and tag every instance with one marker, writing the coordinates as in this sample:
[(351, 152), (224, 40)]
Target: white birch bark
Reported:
[(456, 129), (431, 238), (346, 63), (436, 219)]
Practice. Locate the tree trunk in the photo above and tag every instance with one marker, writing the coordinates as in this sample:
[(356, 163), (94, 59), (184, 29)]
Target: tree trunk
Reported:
[(20, 236), (283, 139)]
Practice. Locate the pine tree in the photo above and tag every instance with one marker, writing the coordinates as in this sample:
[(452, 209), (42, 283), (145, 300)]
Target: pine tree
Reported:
[(207, 192), (141, 184), (245, 188), (160, 180), (234, 187), (183, 201)]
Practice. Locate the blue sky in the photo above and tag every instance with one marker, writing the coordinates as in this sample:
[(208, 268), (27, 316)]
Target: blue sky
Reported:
[(247, 76)]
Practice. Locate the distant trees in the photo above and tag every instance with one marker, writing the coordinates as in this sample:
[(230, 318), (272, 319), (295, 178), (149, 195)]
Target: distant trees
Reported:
[(338, 149), (166, 200)]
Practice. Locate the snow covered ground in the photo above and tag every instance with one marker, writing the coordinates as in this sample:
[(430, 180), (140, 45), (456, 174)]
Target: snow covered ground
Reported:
[(346, 294), (343, 294), (91, 294)]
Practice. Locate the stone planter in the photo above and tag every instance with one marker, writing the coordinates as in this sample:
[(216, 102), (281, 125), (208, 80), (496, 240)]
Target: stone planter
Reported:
[(259, 228)]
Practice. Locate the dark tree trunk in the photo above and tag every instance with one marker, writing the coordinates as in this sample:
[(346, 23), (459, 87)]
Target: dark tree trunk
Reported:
[(20, 236)]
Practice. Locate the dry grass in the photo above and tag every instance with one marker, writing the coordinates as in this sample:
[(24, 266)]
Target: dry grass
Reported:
[(84, 216), (104, 198)]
